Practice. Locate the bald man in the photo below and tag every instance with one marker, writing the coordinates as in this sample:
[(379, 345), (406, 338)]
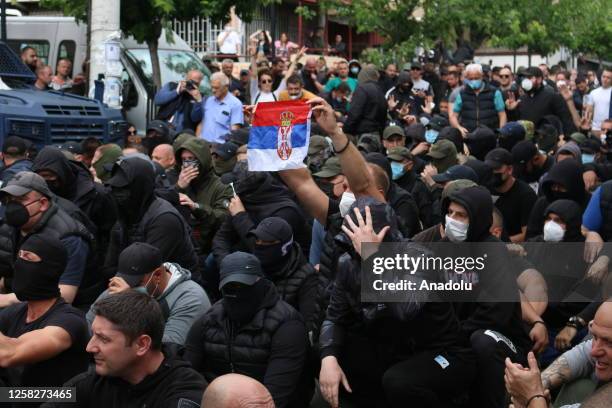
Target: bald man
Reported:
[(164, 155), (236, 391)]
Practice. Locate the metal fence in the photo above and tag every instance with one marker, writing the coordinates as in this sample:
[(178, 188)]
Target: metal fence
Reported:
[(201, 33)]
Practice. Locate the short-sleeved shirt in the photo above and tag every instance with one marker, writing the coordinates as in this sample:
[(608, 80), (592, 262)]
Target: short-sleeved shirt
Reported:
[(335, 82), (56, 370), (230, 44), (600, 99), (220, 116), (422, 85), (498, 100), (515, 206), (592, 217)]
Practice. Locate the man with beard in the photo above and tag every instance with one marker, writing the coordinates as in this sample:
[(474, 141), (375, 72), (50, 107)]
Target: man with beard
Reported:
[(540, 100), (143, 217), (254, 332), (514, 198), (201, 191), (30, 58), (530, 164)]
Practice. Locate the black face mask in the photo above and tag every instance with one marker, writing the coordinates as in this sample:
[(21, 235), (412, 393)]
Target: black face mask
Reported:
[(122, 197), (559, 195), (151, 142), (271, 257), (56, 187), (35, 280), (328, 189), (497, 179), (241, 305), (16, 214)]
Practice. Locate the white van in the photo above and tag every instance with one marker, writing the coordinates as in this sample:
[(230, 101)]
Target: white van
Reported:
[(55, 38)]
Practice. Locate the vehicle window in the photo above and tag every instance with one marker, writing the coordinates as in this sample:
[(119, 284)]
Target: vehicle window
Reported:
[(66, 50), (41, 47), (173, 65)]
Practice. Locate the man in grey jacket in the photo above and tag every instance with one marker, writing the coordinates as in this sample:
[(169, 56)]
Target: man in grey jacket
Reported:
[(182, 301)]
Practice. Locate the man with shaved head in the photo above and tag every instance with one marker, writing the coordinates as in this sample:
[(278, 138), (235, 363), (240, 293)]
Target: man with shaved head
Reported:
[(309, 76), (583, 371), (164, 155), (236, 391)]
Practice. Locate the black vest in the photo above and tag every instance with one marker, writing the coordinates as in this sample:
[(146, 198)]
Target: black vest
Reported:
[(478, 109), (185, 255), (244, 350), (605, 204)]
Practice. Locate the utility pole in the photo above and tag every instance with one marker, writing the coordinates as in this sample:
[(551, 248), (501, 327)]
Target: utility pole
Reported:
[(3, 20), (105, 18)]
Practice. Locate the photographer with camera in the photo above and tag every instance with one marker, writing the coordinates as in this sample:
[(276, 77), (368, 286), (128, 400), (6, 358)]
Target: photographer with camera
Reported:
[(176, 101)]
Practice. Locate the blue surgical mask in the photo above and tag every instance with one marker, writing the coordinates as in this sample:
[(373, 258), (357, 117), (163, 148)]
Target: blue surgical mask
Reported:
[(474, 83), (397, 170), (431, 135), (588, 158), (355, 70)]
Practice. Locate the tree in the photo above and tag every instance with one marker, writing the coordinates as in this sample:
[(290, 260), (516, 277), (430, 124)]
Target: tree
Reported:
[(145, 19)]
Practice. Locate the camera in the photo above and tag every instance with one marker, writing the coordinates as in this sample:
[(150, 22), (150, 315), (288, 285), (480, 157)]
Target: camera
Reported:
[(190, 85)]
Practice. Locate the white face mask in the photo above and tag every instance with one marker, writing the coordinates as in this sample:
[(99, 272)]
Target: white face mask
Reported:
[(455, 230), (553, 232), (295, 97), (527, 84), (346, 201)]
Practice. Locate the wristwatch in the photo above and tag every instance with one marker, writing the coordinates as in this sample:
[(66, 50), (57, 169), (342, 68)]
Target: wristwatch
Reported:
[(576, 322)]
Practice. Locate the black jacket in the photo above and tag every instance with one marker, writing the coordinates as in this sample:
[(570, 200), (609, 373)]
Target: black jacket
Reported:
[(368, 110), (545, 101), (174, 385), (496, 281), (76, 184), (567, 173), (271, 348), (478, 109), (152, 220)]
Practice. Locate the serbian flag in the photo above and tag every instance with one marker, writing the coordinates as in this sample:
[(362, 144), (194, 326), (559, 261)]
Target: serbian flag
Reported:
[(279, 136)]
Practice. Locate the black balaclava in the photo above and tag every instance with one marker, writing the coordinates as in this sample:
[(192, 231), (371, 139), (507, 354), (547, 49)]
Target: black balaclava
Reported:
[(134, 199), (567, 173), (452, 134), (274, 257), (40, 280), (244, 303), (51, 158), (159, 134)]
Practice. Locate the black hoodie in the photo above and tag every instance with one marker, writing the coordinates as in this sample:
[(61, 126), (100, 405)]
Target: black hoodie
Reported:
[(562, 266), (174, 384), (497, 280), (75, 184), (567, 173)]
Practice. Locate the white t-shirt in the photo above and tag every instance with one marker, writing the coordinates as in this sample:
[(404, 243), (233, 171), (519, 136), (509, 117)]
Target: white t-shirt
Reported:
[(422, 85), (258, 96), (231, 42), (600, 99)]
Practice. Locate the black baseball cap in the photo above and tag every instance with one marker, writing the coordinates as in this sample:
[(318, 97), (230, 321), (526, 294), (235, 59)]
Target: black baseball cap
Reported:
[(136, 261), (239, 136), (160, 126), (240, 267), (226, 150), (72, 147), (15, 146), (274, 229), (498, 157), (437, 122), (456, 172), (523, 151)]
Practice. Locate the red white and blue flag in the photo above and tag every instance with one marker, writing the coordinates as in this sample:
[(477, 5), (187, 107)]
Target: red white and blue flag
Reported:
[(279, 136)]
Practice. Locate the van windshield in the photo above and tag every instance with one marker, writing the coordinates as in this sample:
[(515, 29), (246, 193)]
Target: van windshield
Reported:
[(174, 65)]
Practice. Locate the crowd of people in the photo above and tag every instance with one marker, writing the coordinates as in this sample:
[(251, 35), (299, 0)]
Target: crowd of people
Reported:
[(165, 273)]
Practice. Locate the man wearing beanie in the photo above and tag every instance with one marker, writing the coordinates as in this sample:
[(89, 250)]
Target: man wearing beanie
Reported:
[(43, 338)]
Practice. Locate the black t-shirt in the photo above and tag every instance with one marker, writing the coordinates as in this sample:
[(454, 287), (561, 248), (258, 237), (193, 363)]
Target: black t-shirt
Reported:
[(56, 370), (515, 205)]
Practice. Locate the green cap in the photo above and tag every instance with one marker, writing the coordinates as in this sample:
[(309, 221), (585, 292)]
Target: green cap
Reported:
[(331, 168), (399, 154), (578, 137), (393, 130), (317, 143), (442, 148)]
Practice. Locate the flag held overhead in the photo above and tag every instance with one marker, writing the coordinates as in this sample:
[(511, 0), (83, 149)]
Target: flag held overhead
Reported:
[(279, 136)]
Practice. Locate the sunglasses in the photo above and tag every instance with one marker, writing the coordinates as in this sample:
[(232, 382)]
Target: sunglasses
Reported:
[(504, 76), (415, 69), (265, 81), (131, 132)]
